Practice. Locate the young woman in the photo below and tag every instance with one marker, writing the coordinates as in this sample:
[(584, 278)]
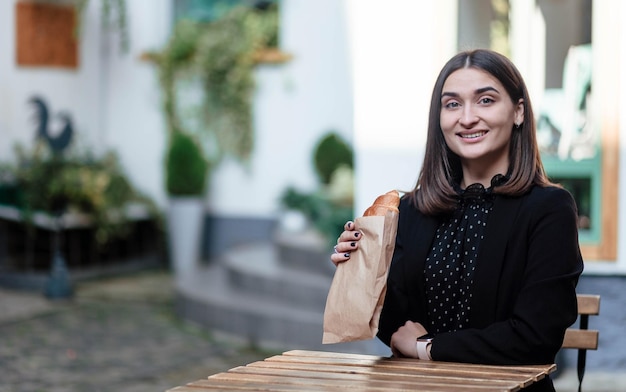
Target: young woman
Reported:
[(487, 259)]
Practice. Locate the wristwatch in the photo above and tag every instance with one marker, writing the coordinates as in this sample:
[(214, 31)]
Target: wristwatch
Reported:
[(422, 346)]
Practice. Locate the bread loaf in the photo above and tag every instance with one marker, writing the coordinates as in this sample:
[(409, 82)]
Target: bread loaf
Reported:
[(384, 203)]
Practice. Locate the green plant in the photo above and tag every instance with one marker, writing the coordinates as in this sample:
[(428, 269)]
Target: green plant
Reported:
[(186, 167), (220, 56), (331, 153), (77, 182), (113, 17), (327, 216), (331, 205)]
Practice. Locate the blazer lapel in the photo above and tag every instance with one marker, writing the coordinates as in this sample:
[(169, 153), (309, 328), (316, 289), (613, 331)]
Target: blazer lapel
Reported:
[(491, 259), (421, 239)]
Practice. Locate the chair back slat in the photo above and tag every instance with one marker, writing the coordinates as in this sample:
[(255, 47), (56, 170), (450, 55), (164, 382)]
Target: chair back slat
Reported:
[(581, 339), (588, 304)]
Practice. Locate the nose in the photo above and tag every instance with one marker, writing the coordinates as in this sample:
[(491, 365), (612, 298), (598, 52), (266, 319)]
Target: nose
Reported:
[(468, 117)]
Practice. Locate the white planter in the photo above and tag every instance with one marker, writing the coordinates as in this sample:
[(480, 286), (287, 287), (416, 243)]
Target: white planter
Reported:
[(293, 221), (184, 227)]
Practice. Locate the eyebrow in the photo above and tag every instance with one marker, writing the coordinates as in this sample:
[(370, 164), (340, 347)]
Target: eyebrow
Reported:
[(476, 92)]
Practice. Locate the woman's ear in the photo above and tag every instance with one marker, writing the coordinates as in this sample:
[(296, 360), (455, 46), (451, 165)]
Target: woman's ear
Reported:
[(519, 112)]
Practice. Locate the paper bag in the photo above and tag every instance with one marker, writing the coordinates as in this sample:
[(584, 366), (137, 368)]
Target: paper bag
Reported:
[(358, 288)]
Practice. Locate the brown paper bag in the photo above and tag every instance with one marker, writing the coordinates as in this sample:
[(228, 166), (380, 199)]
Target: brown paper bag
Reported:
[(358, 288)]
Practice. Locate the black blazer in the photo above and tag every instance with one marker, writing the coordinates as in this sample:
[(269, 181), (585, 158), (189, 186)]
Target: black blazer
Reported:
[(524, 291)]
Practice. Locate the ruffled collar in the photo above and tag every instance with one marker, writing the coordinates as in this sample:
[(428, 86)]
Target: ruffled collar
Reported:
[(477, 193)]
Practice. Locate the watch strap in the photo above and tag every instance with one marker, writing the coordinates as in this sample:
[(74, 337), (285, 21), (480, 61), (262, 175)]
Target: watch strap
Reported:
[(422, 344)]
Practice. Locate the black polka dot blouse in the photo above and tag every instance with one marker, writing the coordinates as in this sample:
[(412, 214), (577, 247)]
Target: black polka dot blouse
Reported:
[(449, 268)]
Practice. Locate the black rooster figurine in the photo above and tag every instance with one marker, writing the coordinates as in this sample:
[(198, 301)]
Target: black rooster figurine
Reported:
[(63, 138), (59, 284)]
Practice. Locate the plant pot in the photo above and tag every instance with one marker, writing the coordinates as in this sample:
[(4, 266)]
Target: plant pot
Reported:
[(293, 221), (184, 227)]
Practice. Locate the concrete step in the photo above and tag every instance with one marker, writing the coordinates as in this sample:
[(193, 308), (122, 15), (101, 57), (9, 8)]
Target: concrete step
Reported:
[(207, 297), (256, 269), (305, 251)]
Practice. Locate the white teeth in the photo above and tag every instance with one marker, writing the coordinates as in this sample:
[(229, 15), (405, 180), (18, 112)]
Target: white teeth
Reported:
[(473, 135)]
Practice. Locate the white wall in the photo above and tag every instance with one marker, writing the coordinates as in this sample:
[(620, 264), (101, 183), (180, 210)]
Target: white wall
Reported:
[(360, 68), (132, 121), (609, 49), (621, 223), (296, 103), (72, 90), (397, 51), (112, 97), (116, 102)]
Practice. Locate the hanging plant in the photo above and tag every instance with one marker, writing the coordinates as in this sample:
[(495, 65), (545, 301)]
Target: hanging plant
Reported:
[(220, 56), (113, 17)]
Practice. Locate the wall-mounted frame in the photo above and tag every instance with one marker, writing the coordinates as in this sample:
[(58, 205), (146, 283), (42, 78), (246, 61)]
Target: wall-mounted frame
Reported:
[(45, 35)]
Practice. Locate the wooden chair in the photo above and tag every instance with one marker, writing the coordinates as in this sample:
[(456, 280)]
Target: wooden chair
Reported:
[(583, 338)]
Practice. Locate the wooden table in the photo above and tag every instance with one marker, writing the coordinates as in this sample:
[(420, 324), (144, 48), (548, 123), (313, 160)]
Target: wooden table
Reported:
[(301, 370)]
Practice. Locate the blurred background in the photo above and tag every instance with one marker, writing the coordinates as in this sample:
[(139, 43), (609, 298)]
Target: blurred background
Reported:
[(200, 157)]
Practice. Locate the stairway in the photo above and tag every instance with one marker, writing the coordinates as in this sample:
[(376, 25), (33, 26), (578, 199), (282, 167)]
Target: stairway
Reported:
[(272, 295)]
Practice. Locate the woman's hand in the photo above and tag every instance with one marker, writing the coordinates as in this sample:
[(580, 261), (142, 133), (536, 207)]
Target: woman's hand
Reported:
[(404, 340), (346, 243)]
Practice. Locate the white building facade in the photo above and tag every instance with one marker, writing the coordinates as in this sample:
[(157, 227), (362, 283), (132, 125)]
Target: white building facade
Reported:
[(363, 68)]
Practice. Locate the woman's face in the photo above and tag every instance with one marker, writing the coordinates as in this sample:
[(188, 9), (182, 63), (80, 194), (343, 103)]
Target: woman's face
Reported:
[(477, 118)]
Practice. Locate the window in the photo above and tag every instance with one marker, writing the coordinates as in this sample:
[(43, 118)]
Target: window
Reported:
[(208, 10)]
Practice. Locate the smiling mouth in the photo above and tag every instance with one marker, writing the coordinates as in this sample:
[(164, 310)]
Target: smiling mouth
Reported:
[(473, 135)]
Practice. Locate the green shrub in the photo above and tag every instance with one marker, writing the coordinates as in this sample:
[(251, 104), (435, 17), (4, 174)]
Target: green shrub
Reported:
[(325, 215), (329, 154), (78, 181), (185, 165)]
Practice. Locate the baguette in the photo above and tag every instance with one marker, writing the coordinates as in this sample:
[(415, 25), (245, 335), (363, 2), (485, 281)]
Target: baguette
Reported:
[(383, 204)]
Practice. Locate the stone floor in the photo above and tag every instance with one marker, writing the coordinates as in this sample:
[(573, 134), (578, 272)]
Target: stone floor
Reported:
[(121, 334), (117, 334)]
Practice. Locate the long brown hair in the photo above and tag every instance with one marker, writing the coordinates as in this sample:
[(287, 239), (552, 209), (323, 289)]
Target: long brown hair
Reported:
[(434, 192)]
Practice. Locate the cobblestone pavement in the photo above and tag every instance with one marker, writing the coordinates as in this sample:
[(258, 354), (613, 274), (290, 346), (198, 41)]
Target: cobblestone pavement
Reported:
[(122, 335), (115, 335)]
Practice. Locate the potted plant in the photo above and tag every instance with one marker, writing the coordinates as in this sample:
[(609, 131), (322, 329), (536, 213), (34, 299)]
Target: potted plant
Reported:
[(79, 183), (217, 60), (186, 171), (331, 205)]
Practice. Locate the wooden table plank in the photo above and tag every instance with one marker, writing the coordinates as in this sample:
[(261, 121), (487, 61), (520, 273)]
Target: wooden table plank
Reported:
[(208, 385), (329, 354), (214, 384), (380, 373), (546, 369), (524, 375), (301, 380), (302, 370)]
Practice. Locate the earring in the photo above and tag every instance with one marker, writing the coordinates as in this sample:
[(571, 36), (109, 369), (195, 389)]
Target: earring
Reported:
[(517, 125)]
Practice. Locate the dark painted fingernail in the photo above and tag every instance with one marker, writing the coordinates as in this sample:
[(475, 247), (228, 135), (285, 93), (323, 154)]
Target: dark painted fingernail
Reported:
[(353, 244), (350, 225), (357, 235), (347, 255)]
